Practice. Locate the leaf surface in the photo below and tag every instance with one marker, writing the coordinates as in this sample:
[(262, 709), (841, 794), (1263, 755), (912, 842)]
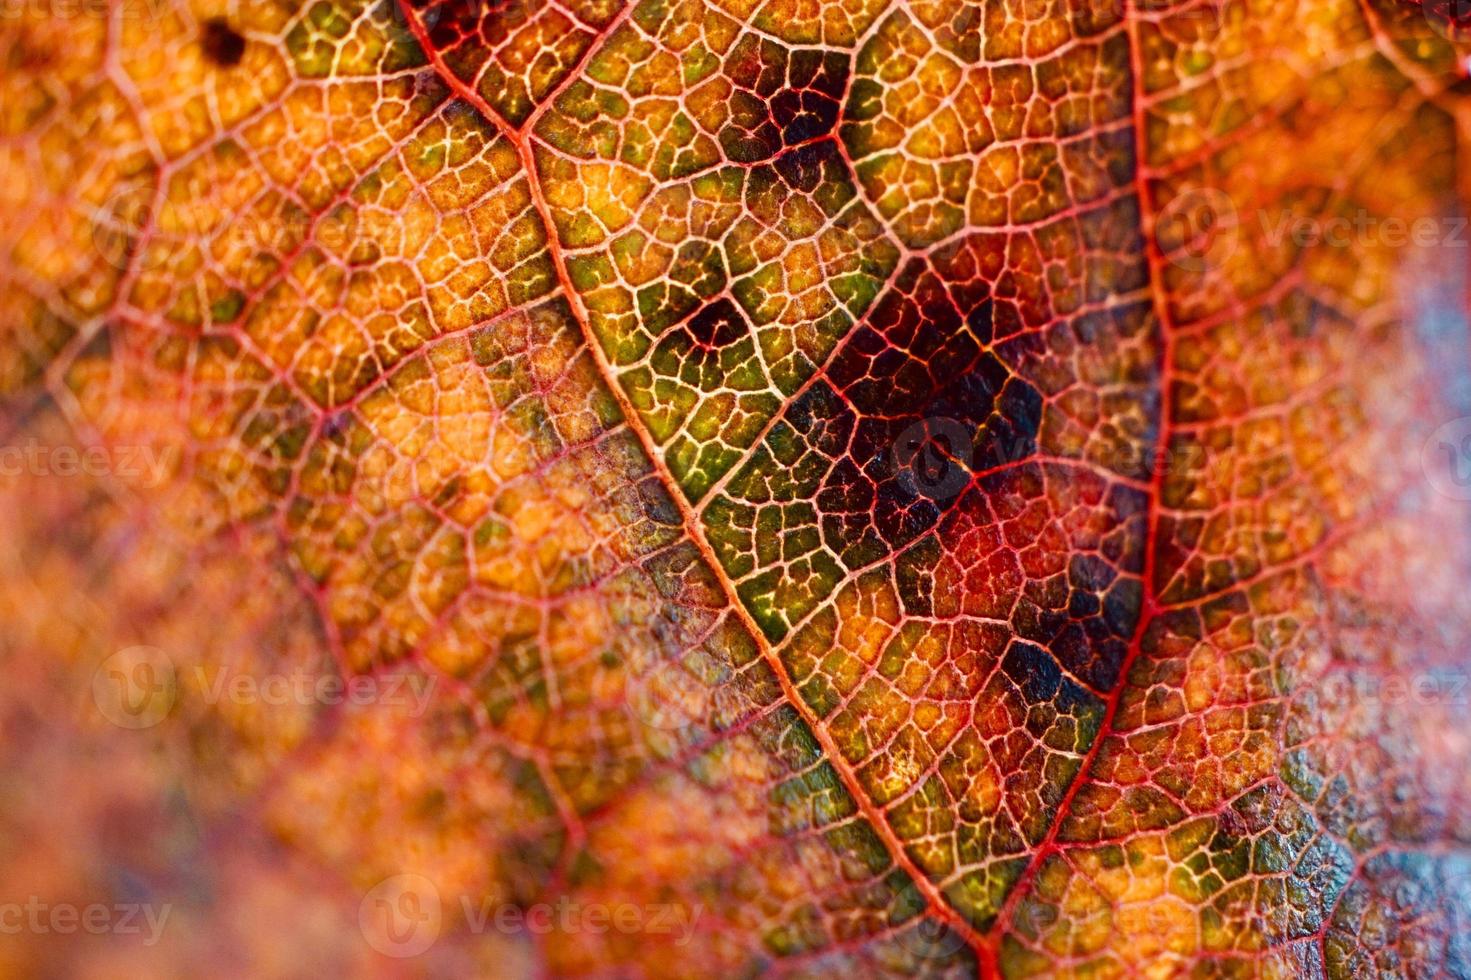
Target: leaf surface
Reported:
[(924, 488)]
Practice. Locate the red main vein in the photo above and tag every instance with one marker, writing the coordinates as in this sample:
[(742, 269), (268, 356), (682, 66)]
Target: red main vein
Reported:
[(521, 138), (1150, 605)]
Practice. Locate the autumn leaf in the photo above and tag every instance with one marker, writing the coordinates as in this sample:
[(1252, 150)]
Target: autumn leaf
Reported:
[(716, 487)]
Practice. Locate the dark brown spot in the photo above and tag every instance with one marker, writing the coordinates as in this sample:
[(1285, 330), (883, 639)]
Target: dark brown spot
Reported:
[(222, 43), (718, 325)]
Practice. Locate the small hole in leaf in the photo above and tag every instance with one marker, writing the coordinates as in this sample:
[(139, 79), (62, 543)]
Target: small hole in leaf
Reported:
[(222, 43)]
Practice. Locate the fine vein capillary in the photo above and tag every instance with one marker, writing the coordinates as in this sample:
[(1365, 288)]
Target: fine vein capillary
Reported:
[(728, 488)]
